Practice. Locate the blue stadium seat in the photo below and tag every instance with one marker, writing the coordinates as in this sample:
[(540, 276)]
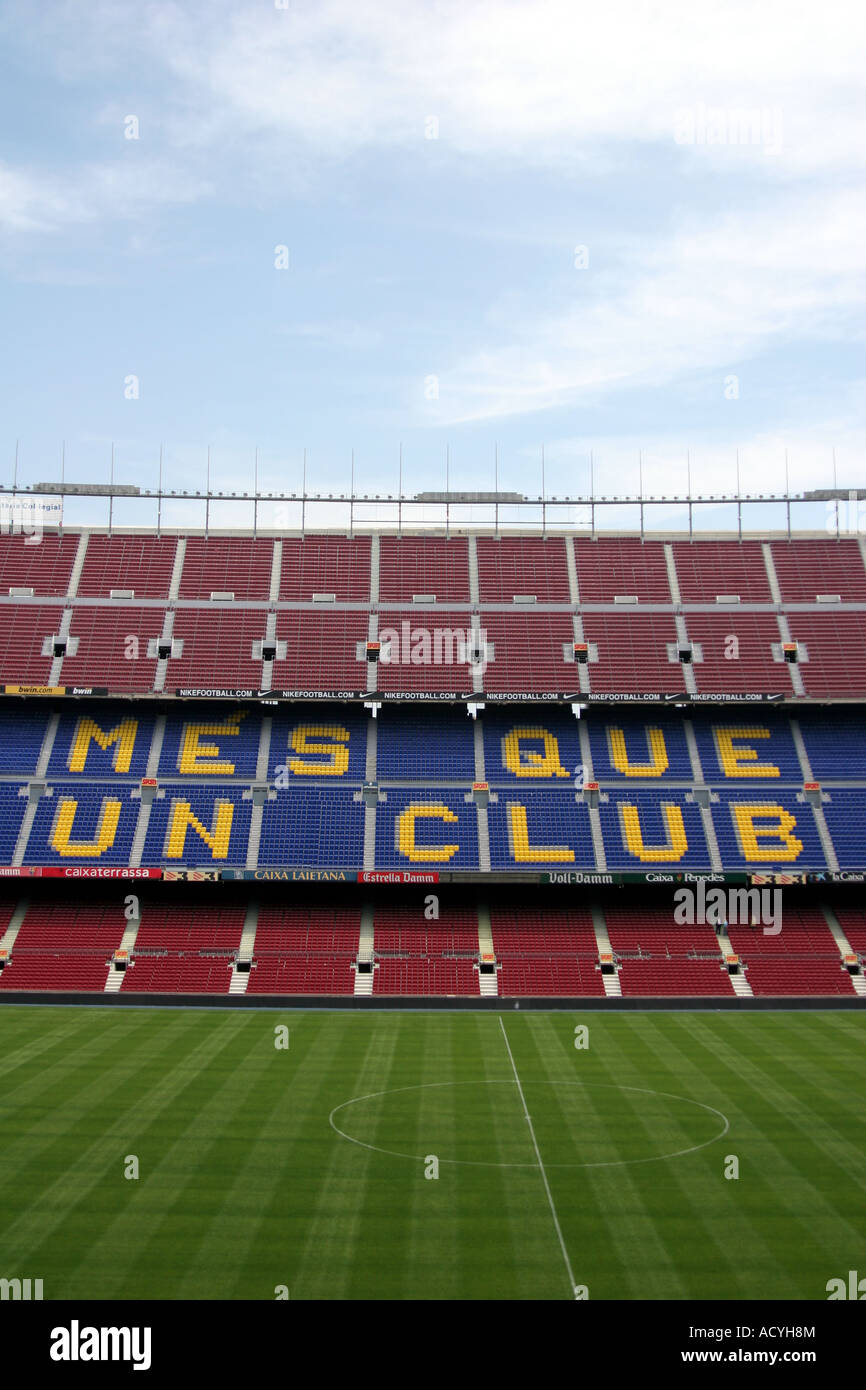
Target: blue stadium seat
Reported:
[(845, 814), (102, 815), (835, 743), (313, 827), (12, 808), (451, 821), (525, 824), (430, 745), (654, 823), (22, 729), (778, 848)]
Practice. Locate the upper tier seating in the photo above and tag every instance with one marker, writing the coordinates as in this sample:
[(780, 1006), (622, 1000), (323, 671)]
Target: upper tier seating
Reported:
[(806, 568), (524, 565), (337, 565), (707, 569), (239, 565), (610, 567), (142, 563), (320, 600), (410, 565), (43, 564)]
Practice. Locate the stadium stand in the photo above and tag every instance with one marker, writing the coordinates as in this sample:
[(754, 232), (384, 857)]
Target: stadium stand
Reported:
[(633, 652), (513, 566), (608, 568), (305, 950), (303, 788), (141, 563), (338, 565), (806, 568), (708, 569), (42, 563), (802, 959), (63, 945), (548, 953), (184, 951), (737, 654), (410, 565), (227, 564)]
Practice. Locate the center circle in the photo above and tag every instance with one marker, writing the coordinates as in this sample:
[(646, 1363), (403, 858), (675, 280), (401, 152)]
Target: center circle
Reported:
[(573, 1128)]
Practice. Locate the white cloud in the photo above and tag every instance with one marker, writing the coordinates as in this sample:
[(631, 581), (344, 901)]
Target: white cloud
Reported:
[(707, 300), (34, 200), (548, 82)]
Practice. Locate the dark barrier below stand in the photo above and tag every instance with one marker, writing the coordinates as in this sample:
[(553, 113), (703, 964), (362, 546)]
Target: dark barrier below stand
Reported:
[(582, 1003)]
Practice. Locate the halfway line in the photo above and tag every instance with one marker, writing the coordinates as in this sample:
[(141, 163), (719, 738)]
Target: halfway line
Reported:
[(540, 1164)]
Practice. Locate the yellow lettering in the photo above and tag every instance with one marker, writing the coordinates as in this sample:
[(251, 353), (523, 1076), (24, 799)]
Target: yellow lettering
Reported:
[(528, 762), (749, 834), (182, 818), (106, 830), (338, 756), (525, 853), (123, 735), (405, 834), (675, 846), (657, 750), (731, 758), (192, 749)]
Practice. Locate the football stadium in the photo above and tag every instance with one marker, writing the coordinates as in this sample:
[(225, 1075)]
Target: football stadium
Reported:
[(512, 883), (432, 684)]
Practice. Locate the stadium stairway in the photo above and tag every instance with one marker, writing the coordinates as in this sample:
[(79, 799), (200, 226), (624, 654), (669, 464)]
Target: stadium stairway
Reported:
[(739, 983), (858, 981), (114, 979), (488, 983), (364, 979), (240, 978), (7, 941), (612, 986)]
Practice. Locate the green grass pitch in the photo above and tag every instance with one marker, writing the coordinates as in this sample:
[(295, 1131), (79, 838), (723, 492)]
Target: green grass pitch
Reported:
[(246, 1184)]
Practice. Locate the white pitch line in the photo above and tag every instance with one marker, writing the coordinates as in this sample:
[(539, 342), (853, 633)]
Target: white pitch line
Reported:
[(570, 1272)]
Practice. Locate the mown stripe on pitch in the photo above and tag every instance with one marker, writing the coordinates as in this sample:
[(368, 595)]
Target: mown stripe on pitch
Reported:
[(649, 1266), (537, 1266), (182, 1175), (397, 1122), (293, 1148), (65, 1095), (785, 1201), (250, 1246), (54, 1044), (94, 1174), (745, 1262), (582, 1200), (335, 1251), (789, 1085), (141, 1077), (27, 1035), (823, 1139)]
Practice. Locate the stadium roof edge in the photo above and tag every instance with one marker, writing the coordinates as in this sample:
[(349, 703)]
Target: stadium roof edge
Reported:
[(510, 532)]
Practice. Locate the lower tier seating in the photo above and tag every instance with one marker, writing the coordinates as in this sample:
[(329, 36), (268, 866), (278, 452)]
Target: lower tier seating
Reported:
[(314, 945)]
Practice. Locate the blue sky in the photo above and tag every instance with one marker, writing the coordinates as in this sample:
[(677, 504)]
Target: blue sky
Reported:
[(433, 170)]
